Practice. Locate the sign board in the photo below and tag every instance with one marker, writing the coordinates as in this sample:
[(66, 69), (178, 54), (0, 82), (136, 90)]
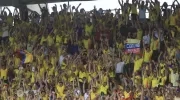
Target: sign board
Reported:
[(132, 46)]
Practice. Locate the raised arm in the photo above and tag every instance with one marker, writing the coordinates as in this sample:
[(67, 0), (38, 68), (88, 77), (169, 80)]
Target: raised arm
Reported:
[(136, 2), (61, 7), (142, 93), (17, 11), (173, 5), (8, 9), (78, 6), (146, 5), (3, 9), (40, 6), (152, 2), (2, 12), (14, 12), (139, 3), (120, 3), (177, 2), (159, 57)]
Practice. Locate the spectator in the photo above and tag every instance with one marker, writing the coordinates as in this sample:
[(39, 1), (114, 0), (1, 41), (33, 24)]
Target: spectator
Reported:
[(83, 55)]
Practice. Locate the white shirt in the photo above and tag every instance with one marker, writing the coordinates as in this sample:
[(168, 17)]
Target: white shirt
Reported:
[(174, 78), (146, 39), (119, 67), (77, 92), (86, 95), (61, 58)]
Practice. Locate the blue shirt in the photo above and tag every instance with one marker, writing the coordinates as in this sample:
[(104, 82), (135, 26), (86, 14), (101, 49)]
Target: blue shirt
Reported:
[(72, 49)]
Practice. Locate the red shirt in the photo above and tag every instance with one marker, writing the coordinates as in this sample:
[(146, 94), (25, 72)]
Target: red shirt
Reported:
[(98, 34)]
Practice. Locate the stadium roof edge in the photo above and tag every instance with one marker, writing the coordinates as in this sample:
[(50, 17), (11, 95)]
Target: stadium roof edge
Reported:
[(26, 2)]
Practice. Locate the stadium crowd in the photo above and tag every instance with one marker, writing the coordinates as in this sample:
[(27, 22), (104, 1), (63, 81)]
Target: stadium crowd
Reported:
[(79, 55)]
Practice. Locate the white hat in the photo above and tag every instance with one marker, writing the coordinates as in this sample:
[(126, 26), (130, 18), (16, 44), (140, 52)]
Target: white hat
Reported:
[(20, 93)]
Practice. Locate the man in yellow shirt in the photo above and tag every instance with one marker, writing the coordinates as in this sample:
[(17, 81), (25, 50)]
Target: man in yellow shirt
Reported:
[(3, 73), (134, 10), (147, 55), (155, 44), (127, 93), (93, 94), (60, 89), (172, 20), (104, 89), (155, 81), (137, 64), (159, 96)]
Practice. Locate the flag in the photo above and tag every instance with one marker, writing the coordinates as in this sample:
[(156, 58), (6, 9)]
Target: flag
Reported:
[(132, 46), (24, 56)]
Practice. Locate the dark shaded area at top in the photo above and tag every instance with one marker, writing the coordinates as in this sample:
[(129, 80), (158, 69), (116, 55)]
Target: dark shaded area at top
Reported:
[(26, 2)]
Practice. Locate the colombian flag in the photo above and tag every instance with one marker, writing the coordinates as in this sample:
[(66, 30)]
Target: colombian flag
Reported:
[(24, 56)]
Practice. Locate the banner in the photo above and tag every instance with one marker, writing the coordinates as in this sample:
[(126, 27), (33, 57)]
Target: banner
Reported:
[(132, 46), (24, 56)]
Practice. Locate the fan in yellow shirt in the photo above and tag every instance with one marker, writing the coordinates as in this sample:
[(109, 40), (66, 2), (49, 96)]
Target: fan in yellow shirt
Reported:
[(138, 64), (41, 71), (146, 80), (50, 70), (104, 88), (50, 40), (3, 73), (45, 62), (137, 79), (44, 39), (159, 96), (172, 19), (88, 29), (147, 55), (58, 39), (93, 94), (155, 81), (60, 89), (171, 51), (106, 50), (104, 77), (82, 74), (44, 95), (138, 93), (53, 59), (72, 77), (119, 45), (139, 34), (86, 43), (127, 93)]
